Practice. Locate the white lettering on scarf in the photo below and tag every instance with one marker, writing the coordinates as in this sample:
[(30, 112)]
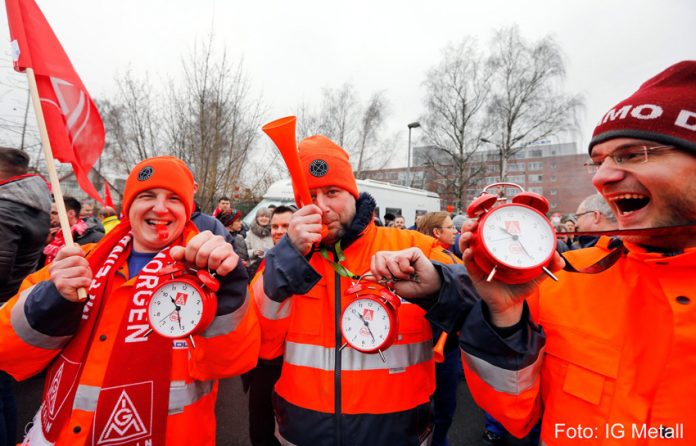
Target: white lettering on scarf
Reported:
[(136, 332)]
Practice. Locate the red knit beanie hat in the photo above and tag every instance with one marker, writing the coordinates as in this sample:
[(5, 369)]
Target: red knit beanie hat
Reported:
[(326, 164), (662, 110), (166, 172), (229, 216)]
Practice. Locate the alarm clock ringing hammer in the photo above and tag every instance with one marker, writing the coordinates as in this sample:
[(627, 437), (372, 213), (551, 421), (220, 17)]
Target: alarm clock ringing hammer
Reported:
[(514, 241)]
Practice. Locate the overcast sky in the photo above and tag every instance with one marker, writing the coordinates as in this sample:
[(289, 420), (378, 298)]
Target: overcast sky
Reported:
[(293, 48)]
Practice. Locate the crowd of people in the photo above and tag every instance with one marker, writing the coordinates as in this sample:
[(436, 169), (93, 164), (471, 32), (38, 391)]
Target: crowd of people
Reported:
[(602, 355)]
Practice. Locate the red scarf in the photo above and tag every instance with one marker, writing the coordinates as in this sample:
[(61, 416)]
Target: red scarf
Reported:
[(51, 250), (133, 401)]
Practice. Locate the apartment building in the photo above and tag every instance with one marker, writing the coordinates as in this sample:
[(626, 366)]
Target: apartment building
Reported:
[(553, 170)]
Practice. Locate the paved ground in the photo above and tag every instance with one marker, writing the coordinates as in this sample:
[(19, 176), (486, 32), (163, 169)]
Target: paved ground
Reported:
[(232, 413)]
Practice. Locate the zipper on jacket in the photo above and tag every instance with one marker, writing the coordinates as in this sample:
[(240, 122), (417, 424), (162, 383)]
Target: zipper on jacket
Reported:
[(337, 354)]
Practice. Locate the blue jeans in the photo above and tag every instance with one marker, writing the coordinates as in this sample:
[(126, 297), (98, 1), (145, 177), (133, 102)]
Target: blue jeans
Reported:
[(8, 411), (448, 374)]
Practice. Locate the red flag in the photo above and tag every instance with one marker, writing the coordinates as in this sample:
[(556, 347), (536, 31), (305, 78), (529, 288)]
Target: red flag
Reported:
[(107, 196), (74, 126)]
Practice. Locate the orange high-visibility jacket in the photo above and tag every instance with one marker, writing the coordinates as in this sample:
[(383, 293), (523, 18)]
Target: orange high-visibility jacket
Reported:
[(619, 362), (331, 397), (228, 347)]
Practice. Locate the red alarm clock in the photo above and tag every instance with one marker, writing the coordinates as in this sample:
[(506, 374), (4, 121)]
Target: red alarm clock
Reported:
[(183, 304), (514, 242), (369, 323)]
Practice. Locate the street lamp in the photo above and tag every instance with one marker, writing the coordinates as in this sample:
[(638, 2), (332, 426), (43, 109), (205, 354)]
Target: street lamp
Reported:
[(412, 125)]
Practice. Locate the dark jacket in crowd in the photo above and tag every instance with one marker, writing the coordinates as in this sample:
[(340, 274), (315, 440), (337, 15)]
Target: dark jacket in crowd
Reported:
[(25, 207), (93, 233), (94, 221), (205, 222)]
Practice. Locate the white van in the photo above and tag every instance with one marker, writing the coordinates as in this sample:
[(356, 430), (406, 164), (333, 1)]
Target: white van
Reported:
[(390, 198)]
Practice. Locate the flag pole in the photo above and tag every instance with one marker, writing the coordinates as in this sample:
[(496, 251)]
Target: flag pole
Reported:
[(51, 166)]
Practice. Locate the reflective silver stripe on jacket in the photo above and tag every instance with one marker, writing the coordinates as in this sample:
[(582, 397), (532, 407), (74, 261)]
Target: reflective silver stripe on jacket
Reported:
[(181, 395), (86, 398), (269, 308), (21, 327), (512, 382), (397, 356), (226, 323)]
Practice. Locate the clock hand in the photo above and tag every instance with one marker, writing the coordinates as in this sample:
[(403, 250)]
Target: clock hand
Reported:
[(515, 238), (498, 240), (178, 318), (524, 249), (370, 331), (367, 324), (167, 316)]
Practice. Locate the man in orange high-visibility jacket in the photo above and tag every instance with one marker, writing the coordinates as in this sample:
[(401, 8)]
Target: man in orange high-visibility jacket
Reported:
[(260, 381), (109, 379), (327, 395), (606, 358)]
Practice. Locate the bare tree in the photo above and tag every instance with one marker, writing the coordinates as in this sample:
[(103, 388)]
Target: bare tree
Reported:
[(339, 114), (132, 122), (263, 170), (369, 133), (212, 121), (528, 104), (308, 121), (456, 93), (208, 119), (357, 128), (17, 122)]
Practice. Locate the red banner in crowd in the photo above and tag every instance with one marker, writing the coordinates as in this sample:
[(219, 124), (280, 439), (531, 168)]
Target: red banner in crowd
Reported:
[(75, 129), (107, 196)]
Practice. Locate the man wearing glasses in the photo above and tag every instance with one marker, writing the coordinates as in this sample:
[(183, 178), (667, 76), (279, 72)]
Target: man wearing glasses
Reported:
[(593, 214), (605, 358)]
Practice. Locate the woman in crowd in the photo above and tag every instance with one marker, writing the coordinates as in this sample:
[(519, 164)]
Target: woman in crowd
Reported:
[(258, 239), (448, 373)]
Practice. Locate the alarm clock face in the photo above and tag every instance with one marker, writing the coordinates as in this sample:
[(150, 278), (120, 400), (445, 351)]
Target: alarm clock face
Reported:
[(366, 324), (517, 236), (176, 309)]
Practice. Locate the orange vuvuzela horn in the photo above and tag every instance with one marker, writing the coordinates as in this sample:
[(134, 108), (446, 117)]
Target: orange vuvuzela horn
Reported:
[(282, 132)]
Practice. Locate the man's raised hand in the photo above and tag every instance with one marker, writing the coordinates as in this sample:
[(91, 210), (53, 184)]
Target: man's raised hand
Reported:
[(70, 271), (304, 229), (206, 250), (402, 267)]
